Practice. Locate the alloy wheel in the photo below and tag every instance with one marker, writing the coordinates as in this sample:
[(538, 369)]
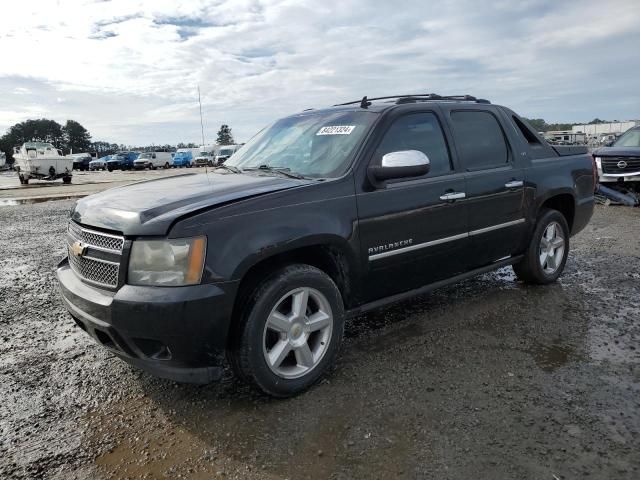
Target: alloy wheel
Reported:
[(297, 333), (552, 247)]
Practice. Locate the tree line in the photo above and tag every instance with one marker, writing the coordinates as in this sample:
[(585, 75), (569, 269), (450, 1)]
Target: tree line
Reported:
[(73, 137)]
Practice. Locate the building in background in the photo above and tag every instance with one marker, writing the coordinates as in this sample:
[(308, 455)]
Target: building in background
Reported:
[(604, 133)]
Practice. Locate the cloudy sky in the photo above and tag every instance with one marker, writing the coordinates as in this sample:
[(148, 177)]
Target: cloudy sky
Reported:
[(128, 70)]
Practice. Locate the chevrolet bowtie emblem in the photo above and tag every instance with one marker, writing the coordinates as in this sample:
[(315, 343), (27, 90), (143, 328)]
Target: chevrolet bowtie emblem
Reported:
[(78, 249)]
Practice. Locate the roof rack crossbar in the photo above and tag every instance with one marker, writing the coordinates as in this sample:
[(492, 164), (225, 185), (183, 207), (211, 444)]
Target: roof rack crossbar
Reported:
[(416, 97)]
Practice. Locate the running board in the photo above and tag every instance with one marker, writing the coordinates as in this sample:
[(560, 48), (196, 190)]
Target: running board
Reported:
[(383, 302)]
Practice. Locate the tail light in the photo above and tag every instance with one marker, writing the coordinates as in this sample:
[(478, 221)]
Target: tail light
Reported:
[(594, 169)]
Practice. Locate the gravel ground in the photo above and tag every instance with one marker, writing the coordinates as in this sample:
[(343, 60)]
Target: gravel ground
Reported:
[(484, 379)]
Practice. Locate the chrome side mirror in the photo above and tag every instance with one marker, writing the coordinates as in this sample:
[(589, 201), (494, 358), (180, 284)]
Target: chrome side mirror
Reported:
[(401, 164)]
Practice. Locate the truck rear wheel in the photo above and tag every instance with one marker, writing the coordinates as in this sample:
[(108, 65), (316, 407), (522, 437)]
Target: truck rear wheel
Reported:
[(290, 331), (547, 253)]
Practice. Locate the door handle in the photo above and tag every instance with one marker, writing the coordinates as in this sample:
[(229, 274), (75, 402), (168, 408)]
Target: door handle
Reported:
[(453, 196), (514, 184)]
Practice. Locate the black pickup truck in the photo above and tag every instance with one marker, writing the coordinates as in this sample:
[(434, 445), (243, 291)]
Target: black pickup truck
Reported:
[(321, 216)]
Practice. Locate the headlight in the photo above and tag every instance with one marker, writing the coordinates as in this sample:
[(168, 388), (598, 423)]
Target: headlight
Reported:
[(170, 262)]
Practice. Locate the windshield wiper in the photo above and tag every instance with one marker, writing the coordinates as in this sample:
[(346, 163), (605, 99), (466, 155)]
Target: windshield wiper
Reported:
[(281, 170), (229, 168)]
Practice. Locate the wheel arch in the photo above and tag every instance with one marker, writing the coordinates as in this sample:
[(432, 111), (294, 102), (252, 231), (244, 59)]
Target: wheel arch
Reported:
[(328, 253), (563, 201)]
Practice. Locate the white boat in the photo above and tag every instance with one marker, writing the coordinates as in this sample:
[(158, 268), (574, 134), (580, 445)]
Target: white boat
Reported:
[(42, 161)]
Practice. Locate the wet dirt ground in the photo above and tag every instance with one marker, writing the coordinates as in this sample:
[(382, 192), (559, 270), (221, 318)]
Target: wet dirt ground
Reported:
[(488, 378)]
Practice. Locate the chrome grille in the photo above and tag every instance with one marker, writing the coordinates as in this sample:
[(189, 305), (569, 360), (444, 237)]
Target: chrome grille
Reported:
[(631, 165), (94, 270), (103, 272), (96, 239)]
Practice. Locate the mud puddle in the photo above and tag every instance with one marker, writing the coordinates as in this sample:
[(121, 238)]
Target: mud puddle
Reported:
[(10, 202)]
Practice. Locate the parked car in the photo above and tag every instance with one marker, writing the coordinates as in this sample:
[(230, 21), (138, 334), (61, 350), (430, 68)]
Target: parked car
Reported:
[(321, 216), (122, 161), (183, 158), (99, 163), (153, 160), (620, 163), (204, 158), (117, 162), (225, 153), (81, 161)]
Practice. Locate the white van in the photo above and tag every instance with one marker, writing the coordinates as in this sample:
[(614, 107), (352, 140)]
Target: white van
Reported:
[(153, 160), (225, 152), (205, 157)]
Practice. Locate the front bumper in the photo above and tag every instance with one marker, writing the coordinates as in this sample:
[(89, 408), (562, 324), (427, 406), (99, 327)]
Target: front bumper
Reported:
[(178, 333), (609, 178)]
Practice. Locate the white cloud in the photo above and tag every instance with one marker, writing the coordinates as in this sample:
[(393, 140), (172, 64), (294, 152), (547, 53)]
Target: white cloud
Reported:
[(128, 70)]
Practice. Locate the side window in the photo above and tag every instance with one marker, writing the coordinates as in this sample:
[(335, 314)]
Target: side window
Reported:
[(418, 131), (479, 139), (526, 132)]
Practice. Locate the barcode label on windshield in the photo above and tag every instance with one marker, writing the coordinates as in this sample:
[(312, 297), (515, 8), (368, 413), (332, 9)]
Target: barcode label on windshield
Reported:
[(336, 130)]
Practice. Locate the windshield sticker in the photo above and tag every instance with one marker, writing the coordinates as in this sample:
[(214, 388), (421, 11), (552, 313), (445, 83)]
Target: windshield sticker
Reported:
[(336, 130)]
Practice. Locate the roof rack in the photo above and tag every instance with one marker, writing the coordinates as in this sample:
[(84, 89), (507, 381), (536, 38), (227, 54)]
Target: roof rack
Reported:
[(422, 97)]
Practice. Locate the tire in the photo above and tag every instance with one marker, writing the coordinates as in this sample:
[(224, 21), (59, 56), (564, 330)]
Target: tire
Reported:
[(110, 169), (255, 339), (551, 239), (66, 180), (166, 165)]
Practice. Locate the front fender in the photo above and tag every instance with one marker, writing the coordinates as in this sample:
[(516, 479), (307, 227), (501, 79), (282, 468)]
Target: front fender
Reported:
[(245, 233)]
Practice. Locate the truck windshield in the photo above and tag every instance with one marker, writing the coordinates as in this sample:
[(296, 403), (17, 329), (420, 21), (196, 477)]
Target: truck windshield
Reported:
[(629, 139), (313, 144)]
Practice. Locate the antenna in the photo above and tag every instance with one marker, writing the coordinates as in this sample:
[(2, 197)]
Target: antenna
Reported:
[(202, 127), (201, 124)]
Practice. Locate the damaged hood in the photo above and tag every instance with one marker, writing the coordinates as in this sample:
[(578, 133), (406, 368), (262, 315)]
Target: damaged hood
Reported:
[(150, 207)]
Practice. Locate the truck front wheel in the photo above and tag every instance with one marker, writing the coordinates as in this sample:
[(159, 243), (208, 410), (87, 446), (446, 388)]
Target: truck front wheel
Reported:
[(547, 253), (290, 331)]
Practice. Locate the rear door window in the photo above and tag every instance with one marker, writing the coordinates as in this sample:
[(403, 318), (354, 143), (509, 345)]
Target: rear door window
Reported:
[(479, 139)]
